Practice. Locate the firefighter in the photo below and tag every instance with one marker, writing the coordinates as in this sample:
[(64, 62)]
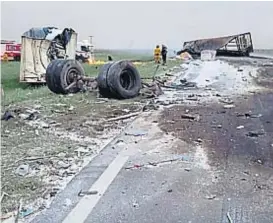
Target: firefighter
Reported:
[(164, 52), (5, 57), (157, 52)]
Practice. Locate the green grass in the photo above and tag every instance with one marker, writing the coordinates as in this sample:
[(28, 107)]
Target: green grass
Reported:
[(17, 92)]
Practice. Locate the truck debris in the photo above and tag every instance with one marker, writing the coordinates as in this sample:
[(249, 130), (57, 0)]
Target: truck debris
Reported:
[(42, 45), (235, 45), (118, 79)]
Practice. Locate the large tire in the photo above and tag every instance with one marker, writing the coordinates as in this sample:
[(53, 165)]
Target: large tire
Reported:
[(17, 58), (102, 80), (60, 74), (123, 79)]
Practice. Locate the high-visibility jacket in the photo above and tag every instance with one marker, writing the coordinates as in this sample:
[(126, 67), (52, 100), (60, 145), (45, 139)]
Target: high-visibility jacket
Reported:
[(157, 51)]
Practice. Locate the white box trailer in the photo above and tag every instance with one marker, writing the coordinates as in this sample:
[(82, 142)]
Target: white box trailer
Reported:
[(42, 45)]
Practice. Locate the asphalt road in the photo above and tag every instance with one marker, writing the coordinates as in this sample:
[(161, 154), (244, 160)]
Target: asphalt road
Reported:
[(227, 175), (165, 168)]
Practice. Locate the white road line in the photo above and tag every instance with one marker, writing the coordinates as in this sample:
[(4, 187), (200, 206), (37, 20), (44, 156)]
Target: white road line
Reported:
[(79, 213)]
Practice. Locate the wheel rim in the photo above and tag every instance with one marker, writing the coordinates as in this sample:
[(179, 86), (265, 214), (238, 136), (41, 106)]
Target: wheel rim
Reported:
[(71, 75), (127, 79)]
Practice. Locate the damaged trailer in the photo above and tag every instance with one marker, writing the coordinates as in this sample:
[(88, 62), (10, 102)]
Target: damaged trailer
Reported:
[(42, 45), (235, 45)]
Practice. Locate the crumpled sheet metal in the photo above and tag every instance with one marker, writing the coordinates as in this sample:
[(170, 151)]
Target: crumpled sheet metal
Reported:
[(207, 44)]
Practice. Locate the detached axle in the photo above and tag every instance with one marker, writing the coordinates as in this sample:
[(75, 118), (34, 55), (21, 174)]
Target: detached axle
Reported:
[(115, 80)]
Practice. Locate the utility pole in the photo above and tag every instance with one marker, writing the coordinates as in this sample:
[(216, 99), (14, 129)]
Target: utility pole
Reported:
[(92, 54)]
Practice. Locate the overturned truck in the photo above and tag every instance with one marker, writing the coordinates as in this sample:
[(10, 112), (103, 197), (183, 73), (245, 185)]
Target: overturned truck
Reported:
[(235, 45), (118, 79)]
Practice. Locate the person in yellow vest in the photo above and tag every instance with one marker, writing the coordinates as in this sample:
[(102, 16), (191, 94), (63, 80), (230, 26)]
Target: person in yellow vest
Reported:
[(5, 57), (157, 53)]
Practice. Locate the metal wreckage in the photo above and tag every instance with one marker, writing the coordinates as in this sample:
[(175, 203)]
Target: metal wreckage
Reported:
[(48, 56), (235, 45)]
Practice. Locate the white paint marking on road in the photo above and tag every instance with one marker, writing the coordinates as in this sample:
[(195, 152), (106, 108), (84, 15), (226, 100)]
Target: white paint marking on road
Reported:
[(87, 203)]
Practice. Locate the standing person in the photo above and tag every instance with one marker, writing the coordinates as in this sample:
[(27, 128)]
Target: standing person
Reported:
[(164, 52), (157, 52)]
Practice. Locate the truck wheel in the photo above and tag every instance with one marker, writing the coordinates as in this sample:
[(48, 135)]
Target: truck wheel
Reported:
[(102, 80), (123, 80), (61, 73), (17, 58)]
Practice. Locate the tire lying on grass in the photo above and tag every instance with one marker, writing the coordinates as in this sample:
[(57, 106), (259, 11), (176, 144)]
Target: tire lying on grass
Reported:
[(122, 80), (61, 73)]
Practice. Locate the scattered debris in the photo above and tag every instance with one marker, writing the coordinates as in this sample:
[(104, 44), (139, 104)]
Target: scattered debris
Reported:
[(8, 218), (22, 170), (83, 193), (7, 116), (33, 158), (191, 117), (254, 134), (248, 115), (255, 115), (211, 196), (152, 90), (226, 100), (71, 108), (136, 132), (192, 97), (185, 83), (123, 117), (26, 212), (229, 106), (199, 140), (81, 151), (135, 204), (259, 161), (240, 127), (136, 166), (62, 165)]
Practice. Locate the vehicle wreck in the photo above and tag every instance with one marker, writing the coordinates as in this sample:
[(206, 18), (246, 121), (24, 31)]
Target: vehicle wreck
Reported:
[(42, 45), (235, 45), (118, 79)]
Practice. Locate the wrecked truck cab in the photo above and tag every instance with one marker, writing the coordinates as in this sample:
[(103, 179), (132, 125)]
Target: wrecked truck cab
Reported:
[(42, 45)]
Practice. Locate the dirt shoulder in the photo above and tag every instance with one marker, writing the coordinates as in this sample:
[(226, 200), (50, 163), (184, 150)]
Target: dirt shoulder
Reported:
[(48, 142)]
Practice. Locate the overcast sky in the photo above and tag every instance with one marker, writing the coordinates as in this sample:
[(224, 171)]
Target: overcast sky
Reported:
[(142, 24)]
